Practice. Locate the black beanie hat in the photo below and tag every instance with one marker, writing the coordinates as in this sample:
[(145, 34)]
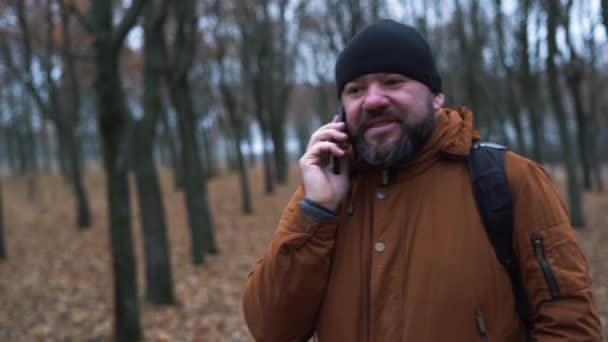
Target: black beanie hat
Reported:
[(391, 47)]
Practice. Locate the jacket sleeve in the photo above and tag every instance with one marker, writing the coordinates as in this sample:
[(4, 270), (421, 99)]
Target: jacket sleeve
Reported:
[(554, 270), (284, 291)]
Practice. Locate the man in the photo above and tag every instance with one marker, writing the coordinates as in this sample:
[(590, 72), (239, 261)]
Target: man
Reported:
[(393, 248)]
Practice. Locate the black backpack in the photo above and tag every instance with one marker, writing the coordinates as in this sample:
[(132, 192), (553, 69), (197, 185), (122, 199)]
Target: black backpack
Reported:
[(493, 197)]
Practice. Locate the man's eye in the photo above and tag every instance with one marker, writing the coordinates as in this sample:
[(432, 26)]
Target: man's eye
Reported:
[(353, 90), (393, 81)]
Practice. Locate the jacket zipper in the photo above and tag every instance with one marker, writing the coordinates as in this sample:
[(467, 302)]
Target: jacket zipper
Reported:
[(539, 250), (481, 326)]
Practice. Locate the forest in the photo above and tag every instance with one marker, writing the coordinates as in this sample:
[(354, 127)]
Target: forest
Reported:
[(148, 147)]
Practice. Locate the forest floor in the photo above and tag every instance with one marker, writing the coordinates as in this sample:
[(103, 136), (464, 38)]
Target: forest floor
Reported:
[(56, 284)]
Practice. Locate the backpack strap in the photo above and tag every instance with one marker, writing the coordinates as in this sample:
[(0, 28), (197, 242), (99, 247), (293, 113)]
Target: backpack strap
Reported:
[(493, 197)]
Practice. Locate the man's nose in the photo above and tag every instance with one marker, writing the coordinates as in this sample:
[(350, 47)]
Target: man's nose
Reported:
[(375, 98)]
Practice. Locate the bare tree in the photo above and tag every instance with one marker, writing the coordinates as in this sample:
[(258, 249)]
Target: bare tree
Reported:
[(171, 141), (509, 77), (254, 30), (203, 104), (317, 38), (8, 133), (528, 82), (302, 110), (2, 244), (27, 149), (231, 106), (113, 119), (63, 114), (27, 143), (574, 196), (470, 50), (574, 80), (66, 122), (344, 20), (195, 186), (281, 51), (594, 88), (159, 287)]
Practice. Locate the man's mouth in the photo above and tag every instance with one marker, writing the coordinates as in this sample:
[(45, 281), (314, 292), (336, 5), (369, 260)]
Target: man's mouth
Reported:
[(380, 123)]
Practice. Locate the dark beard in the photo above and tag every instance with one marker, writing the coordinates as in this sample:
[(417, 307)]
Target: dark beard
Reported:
[(411, 141)]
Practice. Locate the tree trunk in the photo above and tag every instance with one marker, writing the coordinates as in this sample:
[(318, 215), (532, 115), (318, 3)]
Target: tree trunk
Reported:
[(596, 158), (243, 177), (11, 148), (257, 50), (112, 126), (279, 152), (574, 85), (21, 149), (282, 51), (500, 111), (2, 245), (45, 147), (171, 141), (208, 155), (323, 104), (4, 153), (70, 119), (303, 135), (30, 153), (70, 146), (511, 106), (62, 157), (63, 118), (574, 80), (112, 122), (266, 153), (159, 285), (605, 14), (252, 156), (195, 187), (229, 148), (267, 157), (528, 84), (574, 195), (161, 151), (230, 104), (594, 124)]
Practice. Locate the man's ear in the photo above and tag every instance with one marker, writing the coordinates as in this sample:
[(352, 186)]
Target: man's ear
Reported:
[(438, 100)]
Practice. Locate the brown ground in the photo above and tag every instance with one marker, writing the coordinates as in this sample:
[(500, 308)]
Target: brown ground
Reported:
[(56, 284)]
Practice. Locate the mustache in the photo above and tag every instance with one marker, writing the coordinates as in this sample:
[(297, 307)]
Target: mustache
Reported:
[(369, 118)]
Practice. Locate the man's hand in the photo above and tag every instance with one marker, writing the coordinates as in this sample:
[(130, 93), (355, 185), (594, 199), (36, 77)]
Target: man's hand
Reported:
[(321, 185)]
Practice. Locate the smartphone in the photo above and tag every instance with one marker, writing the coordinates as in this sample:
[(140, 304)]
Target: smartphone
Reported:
[(335, 161)]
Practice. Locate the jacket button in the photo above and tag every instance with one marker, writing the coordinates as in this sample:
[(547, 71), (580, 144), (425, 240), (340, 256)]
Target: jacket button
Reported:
[(379, 247), (381, 194)]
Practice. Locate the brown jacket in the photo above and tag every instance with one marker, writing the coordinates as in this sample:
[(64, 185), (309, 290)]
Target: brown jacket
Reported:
[(410, 260)]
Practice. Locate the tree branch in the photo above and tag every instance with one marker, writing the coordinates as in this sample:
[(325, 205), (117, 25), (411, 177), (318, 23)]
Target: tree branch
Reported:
[(80, 17), (23, 77), (25, 30), (605, 14), (127, 22)]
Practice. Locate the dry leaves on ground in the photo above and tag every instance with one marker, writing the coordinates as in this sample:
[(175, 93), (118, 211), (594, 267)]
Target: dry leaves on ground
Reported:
[(57, 282)]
